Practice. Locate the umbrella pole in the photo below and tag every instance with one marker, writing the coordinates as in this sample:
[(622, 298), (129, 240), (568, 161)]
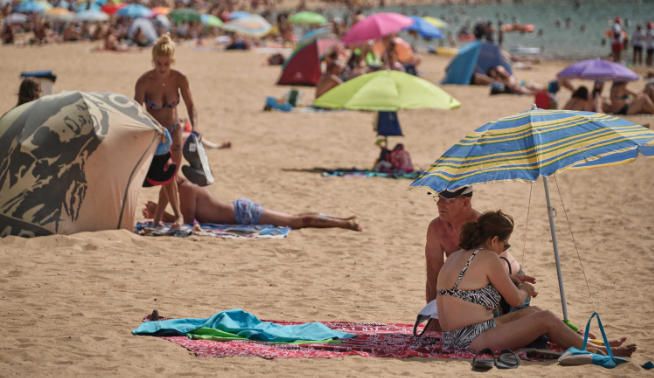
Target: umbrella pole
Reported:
[(550, 215)]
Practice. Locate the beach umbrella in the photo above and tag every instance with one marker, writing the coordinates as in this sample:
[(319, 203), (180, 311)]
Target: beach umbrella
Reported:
[(314, 34), (424, 29), (598, 69), (33, 7), (538, 143), (238, 14), (161, 11), (386, 91), (253, 25), (73, 162), (162, 21), (437, 22), (308, 18), (181, 15), (134, 11), (112, 8), (211, 21), (92, 15), (15, 18), (59, 14), (376, 26)]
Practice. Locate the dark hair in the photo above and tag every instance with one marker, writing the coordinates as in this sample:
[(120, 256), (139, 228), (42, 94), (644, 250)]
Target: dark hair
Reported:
[(581, 93), (29, 90), (489, 224)]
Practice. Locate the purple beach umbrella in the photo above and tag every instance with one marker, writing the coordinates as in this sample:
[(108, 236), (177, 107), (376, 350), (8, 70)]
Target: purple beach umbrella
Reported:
[(598, 69)]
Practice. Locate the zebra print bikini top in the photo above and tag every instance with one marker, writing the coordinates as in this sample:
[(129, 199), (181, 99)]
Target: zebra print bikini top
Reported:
[(486, 296)]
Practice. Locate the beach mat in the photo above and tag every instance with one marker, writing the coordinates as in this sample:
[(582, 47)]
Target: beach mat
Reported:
[(229, 231), (357, 172), (392, 340)]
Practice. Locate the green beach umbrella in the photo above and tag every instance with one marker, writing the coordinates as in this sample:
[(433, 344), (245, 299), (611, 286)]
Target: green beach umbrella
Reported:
[(184, 15), (386, 91), (209, 20), (308, 18)]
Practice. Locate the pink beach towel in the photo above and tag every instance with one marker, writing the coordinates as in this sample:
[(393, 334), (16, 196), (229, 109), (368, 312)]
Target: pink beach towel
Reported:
[(393, 340)]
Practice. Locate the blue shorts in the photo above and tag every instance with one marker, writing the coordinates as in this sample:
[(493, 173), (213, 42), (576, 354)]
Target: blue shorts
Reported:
[(247, 211)]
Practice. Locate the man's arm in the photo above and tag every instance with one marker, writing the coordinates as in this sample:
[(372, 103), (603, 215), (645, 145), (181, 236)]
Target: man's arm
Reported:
[(434, 259)]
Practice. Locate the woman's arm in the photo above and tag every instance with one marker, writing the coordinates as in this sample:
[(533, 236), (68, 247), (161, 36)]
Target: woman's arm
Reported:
[(502, 282), (185, 89), (139, 91)]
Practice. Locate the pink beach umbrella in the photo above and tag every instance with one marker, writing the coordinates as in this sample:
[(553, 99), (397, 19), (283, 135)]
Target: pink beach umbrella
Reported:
[(376, 26)]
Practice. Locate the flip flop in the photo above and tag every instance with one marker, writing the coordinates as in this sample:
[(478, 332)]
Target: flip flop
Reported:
[(507, 360), (480, 363)]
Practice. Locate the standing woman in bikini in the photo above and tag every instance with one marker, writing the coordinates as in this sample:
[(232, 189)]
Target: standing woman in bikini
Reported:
[(160, 90)]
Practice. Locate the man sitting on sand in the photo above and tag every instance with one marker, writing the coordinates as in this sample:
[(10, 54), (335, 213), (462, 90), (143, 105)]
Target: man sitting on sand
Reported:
[(443, 237), (198, 205)]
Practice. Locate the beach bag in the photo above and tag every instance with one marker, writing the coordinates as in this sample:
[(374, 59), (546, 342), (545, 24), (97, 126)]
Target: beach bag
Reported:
[(574, 356)]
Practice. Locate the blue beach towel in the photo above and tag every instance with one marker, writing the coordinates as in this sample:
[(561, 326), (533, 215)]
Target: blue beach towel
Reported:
[(228, 231), (242, 323)]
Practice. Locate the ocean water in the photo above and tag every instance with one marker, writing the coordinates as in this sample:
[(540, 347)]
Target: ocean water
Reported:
[(581, 37)]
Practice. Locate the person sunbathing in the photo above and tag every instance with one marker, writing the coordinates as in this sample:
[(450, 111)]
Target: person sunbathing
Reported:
[(510, 84), (198, 205), (471, 284), (623, 101), (581, 101)]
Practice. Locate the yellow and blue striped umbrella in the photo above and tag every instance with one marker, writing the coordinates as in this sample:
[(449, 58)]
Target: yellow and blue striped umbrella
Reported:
[(537, 143)]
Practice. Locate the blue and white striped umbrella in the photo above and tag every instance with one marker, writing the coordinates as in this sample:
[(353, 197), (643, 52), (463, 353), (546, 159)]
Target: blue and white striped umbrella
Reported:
[(537, 143)]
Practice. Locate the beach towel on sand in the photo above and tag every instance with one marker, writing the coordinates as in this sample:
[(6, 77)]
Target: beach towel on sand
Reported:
[(391, 340), (369, 173), (259, 231), (240, 323)]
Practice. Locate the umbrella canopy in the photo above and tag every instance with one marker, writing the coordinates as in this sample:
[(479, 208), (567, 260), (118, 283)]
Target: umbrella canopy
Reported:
[(59, 171), (239, 14), (437, 22), (538, 143), (91, 16), (314, 34), (376, 26), (253, 25), (33, 7), (386, 91), (134, 11), (211, 21), (308, 18), (111, 8), (59, 14), (424, 28), (180, 15), (598, 69), (161, 11)]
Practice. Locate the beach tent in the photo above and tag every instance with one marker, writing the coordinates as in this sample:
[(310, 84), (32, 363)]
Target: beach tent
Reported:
[(303, 66), (474, 57), (73, 162)]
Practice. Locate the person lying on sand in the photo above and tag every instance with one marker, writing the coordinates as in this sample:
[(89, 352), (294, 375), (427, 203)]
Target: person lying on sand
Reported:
[(471, 284), (198, 205)]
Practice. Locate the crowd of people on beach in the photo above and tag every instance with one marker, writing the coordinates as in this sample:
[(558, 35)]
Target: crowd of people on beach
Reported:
[(469, 267)]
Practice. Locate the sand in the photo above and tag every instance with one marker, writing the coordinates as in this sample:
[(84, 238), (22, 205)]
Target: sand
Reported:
[(69, 302)]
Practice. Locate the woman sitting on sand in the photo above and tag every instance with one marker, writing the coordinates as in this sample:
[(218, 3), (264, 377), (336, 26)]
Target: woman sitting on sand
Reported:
[(581, 101), (198, 205), (625, 102), (471, 284)]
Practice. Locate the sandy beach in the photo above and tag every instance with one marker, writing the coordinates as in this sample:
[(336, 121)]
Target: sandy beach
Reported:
[(69, 302)]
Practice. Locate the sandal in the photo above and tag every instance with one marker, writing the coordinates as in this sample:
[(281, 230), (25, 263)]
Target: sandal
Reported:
[(480, 363), (507, 360)]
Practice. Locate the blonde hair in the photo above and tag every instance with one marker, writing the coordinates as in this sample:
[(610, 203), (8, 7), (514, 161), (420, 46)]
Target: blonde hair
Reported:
[(164, 47)]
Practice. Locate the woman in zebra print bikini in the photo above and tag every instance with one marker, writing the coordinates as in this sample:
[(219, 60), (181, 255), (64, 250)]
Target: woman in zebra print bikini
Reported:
[(471, 284)]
